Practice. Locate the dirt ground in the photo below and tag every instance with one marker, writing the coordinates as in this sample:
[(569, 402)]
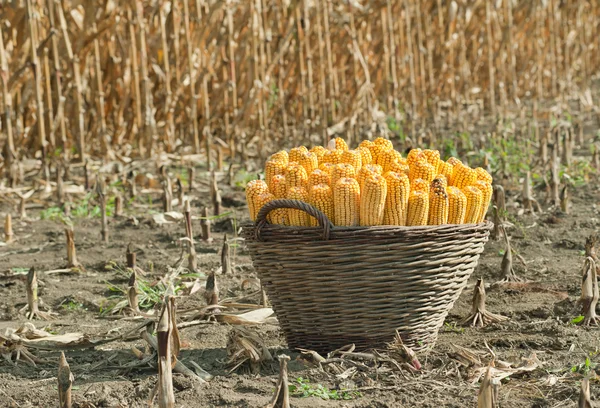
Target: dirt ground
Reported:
[(550, 247)]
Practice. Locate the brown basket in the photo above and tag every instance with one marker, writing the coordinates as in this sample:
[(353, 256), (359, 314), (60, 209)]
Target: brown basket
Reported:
[(332, 286)]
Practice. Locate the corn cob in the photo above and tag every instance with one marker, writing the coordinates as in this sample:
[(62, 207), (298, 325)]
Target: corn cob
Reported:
[(372, 200), (487, 191), (376, 150), (279, 216), (438, 206), (342, 170), (453, 161), (321, 197), (318, 177), (413, 155), (482, 174), (319, 151), (280, 156), (474, 204), (387, 159), (463, 176), (295, 176), (333, 156), (457, 205), (399, 167), (366, 171), (439, 180), (396, 200), (309, 161), (254, 189), (365, 155), (421, 169), (346, 195), (276, 216), (277, 186), (433, 158), (418, 208), (419, 185), (326, 167), (295, 153), (384, 142), (353, 158), (273, 168), (338, 143), (446, 169), (297, 217), (366, 143), (261, 200)]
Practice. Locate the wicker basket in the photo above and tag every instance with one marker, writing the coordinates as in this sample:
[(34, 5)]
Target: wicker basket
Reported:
[(332, 286)]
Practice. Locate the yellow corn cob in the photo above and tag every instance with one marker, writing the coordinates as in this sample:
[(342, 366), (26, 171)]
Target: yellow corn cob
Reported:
[(399, 167), (346, 196), (339, 143), (487, 190), (365, 155), (321, 197), (474, 203), (297, 217), (353, 158), (366, 143), (253, 189), (280, 156), (279, 216), (453, 161), (396, 200), (333, 156), (457, 205), (277, 186), (418, 208), (295, 176), (273, 168), (463, 176), (309, 161), (276, 216), (372, 200), (327, 167), (419, 185), (318, 177), (421, 169), (439, 181), (438, 206), (376, 150), (433, 158), (295, 153), (446, 169), (384, 142), (342, 170), (261, 200), (319, 151), (413, 155), (482, 174), (366, 171), (386, 159)]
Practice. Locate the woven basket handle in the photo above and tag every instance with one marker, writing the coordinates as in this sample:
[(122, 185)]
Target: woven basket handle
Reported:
[(261, 218)]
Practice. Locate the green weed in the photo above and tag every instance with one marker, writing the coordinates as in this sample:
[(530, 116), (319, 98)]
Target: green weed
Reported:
[(305, 389), (149, 293)]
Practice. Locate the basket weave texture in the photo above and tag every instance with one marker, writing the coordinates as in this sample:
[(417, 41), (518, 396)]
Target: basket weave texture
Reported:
[(333, 286)]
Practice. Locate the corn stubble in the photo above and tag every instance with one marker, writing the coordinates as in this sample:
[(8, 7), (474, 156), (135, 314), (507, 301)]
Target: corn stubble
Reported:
[(479, 316)]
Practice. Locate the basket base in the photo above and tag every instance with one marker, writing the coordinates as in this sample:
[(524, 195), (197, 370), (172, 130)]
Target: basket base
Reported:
[(326, 343)]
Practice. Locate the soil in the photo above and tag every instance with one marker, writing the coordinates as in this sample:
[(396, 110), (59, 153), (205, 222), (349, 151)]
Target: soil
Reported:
[(550, 244)]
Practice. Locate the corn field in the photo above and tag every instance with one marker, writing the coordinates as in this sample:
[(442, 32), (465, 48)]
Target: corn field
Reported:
[(105, 78)]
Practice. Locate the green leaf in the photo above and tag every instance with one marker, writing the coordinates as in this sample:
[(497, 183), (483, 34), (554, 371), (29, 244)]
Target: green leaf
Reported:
[(577, 319)]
